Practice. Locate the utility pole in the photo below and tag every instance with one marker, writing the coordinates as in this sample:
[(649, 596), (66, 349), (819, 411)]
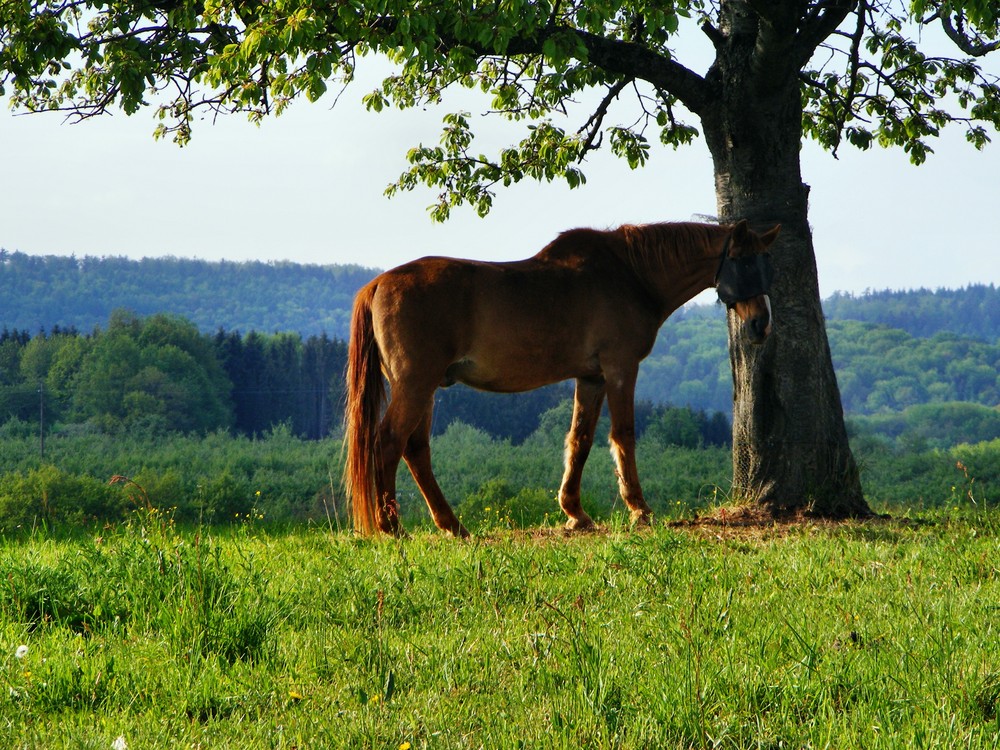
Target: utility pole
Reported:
[(41, 418)]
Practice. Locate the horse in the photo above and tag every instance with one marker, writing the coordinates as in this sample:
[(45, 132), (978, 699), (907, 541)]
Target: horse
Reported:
[(587, 307)]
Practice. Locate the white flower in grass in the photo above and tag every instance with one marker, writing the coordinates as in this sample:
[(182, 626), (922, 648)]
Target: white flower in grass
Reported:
[(21, 652), (119, 743)]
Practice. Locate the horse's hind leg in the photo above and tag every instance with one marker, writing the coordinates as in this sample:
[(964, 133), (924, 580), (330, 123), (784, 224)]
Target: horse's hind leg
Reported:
[(587, 400), (402, 418), (417, 455), (387, 507)]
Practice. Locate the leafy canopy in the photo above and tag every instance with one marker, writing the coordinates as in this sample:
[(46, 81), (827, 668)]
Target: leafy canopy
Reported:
[(865, 70)]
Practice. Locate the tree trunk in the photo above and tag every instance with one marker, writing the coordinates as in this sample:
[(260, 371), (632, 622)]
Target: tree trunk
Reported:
[(790, 447)]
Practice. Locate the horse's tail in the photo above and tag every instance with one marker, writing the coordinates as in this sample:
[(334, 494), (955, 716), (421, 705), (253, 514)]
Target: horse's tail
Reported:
[(365, 399)]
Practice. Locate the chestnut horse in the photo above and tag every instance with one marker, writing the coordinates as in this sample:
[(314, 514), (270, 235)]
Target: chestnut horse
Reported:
[(588, 306)]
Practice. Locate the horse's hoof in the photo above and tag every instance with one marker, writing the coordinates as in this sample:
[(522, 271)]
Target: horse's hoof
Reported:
[(393, 528), (584, 523), (460, 533), (642, 518)]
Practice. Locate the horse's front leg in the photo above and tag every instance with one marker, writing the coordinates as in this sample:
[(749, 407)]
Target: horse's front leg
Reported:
[(621, 405), (587, 400)]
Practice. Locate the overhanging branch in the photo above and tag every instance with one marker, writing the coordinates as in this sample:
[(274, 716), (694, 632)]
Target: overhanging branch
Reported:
[(824, 19), (640, 62), (621, 58), (592, 127), (958, 34)]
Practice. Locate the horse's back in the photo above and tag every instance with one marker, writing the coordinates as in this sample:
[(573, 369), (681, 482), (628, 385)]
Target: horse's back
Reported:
[(438, 293), (508, 326)]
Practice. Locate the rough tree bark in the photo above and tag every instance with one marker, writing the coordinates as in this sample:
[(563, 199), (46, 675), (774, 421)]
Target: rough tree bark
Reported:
[(790, 446)]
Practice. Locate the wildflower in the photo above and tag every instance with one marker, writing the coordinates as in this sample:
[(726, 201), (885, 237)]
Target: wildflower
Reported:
[(119, 743), (21, 652), (405, 746), (295, 695)]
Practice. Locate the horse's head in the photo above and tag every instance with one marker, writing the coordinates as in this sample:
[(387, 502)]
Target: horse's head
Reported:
[(743, 280)]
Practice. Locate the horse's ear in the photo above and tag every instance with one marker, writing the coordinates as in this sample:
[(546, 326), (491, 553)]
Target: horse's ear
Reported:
[(740, 231), (770, 235)]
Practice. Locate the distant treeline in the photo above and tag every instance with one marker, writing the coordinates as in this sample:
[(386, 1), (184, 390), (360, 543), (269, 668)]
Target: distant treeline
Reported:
[(160, 375)]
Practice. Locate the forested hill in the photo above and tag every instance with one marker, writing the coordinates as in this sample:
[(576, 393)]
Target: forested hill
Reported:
[(41, 292), (973, 311)]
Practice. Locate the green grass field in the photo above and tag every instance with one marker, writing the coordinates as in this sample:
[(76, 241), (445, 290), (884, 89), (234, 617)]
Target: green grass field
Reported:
[(869, 635)]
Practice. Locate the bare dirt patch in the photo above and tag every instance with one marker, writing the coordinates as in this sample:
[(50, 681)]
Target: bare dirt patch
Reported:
[(744, 522), (760, 521)]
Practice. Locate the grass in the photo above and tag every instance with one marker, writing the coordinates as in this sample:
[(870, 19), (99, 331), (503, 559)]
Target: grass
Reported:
[(875, 635)]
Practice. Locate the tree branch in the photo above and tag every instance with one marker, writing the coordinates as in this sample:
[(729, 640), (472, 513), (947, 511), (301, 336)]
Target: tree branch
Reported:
[(621, 58), (825, 18), (637, 61), (780, 14), (594, 122), (717, 38), (962, 40), (854, 61)]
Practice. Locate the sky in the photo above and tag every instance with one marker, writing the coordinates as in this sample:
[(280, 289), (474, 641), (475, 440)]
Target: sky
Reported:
[(308, 187)]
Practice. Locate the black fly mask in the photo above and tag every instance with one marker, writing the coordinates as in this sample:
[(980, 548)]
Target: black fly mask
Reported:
[(740, 279)]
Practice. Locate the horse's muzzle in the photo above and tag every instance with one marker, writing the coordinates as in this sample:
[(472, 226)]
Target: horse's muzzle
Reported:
[(758, 327)]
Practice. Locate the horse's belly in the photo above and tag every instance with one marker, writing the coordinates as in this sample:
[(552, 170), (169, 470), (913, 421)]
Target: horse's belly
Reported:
[(512, 374)]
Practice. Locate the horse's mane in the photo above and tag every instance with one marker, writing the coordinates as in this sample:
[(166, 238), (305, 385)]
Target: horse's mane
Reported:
[(659, 248)]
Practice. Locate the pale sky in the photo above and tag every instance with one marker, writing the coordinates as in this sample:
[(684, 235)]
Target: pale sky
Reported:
[(308, 187)]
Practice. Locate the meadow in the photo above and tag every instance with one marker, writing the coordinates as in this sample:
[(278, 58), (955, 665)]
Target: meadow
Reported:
[(211, 596), (149, 635)]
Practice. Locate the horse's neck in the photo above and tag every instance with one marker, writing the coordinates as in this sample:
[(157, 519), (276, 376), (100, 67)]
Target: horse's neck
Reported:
[(573, 246), (690, 268)]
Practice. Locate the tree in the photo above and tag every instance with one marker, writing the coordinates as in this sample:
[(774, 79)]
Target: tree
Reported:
[(855, 72), (158, 373), (281, 380), (244, 361), (324, 361)]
